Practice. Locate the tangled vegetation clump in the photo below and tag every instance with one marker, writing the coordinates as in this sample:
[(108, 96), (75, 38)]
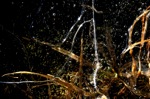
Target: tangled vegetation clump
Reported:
[(75, 75)]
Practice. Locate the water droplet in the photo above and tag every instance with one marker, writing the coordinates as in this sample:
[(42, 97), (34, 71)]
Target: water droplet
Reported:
[(74, 5), (52, 8), (12, 3), (69, 61), (136, 33), (32, 26), (54, 14), (143, 3), (139, 9)]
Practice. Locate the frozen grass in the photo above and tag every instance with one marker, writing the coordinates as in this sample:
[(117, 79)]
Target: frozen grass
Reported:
[(102, 83)]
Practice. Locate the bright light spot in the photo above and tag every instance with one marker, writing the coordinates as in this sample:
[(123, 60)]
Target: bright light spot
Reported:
[(54, 14)]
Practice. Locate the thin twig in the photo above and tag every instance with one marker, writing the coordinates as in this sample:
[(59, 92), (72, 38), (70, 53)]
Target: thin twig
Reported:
[(92, 8), (62, 51), (56, 80), (81, 65)]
